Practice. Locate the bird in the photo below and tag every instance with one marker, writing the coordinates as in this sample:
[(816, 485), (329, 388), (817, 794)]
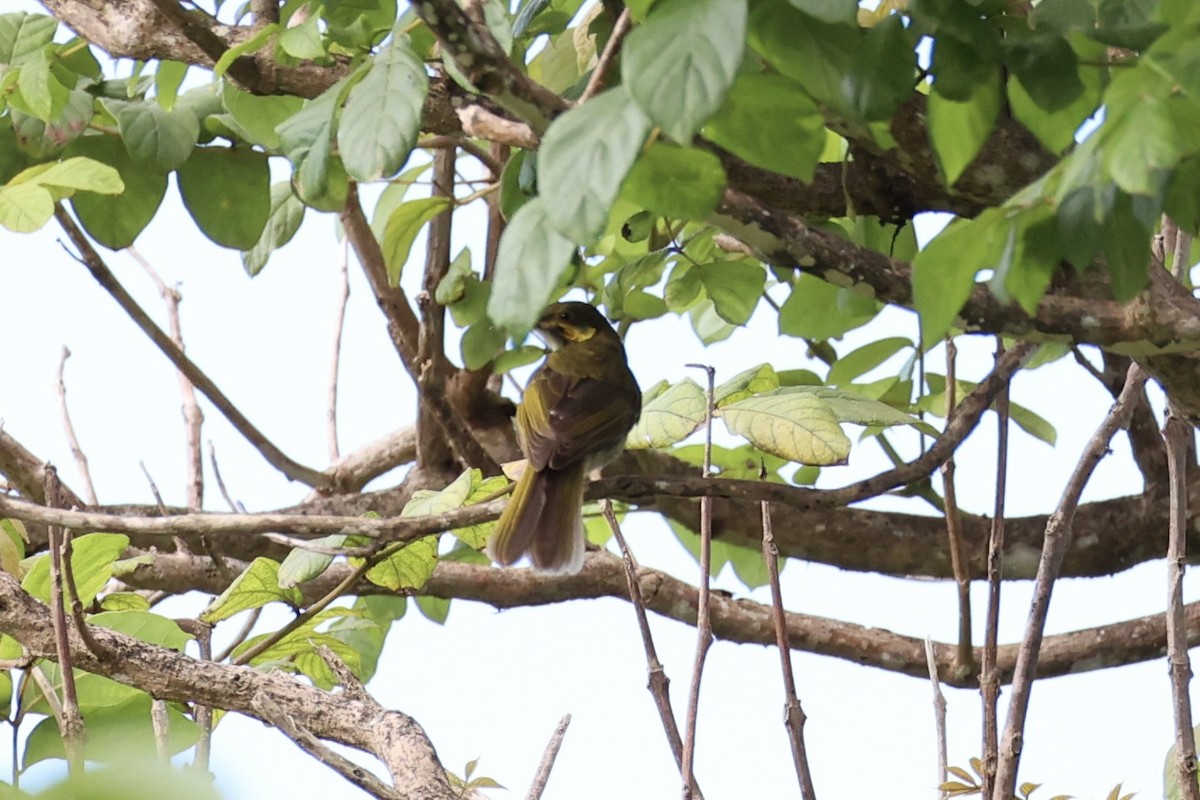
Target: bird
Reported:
[(577, 409)]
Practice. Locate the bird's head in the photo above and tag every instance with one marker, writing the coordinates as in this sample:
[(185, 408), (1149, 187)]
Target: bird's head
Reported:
[(564, 323)]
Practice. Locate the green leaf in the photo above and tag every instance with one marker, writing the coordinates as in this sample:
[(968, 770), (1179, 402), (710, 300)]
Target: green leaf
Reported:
[(1126, 240), (92, 557), (768, 121), (306, 138), (709, 326), (850, 406), (297, 650), (22, 33), (815, 54), (382, 116), (44, 139), (734, 287), (408, 568), (789, 423), (746, 383), (829, 10), (76, 173), (1056, 129), (944, 272), (25, 207), (303, 41), (257, 116), (43, 94), (435, 609), (300, 565), (676, 182), (117, 221), (453, 285), (287, 212), (144, 625), (866, 358), (228, 194), (679, 64), (167, 80), (165, 139), (124, 601), (516, 358), (883, 74), (583, 159), (819, 310), (393, 196), (669, 417), (1138, 148), (531, 260), (480, 343), (256, 586), (114, 733), (401, 231), (959, 129), (249, 46), (476, 536)]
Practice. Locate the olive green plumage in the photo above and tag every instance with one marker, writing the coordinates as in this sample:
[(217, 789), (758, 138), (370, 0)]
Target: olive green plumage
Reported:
[(577, 409)]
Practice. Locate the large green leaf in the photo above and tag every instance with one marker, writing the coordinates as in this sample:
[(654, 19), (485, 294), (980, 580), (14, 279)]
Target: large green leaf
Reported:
[(851, 406), (668, 415), (306, 138), (382, 115), (819, 310), (144, 625), (944, 272), (42, 94), (287, 212), (25, 207), (92, 558), (302, 565), (228, 194), (1056, 128), (165, 139), (735, 287), (815, 54), (791, 424), (22, 33), (768, 121), (755, 380), (256, 586), (531, 260), (114, 735), (866, 358), (258, 115), (682, 61), (408, 568), (676, 182), (116, 221), (584, 158), (401, 231), (959, 129)]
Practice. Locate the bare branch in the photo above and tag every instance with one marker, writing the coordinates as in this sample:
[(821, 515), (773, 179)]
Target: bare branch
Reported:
[(104, 276), (1178, 434), (939, 713), (271, 712), (339, 320), (704, 636), (793, 713), (193, 418), (965, 659), (77, 453), (1059, 532), (604, 64), (543, 774), (70, 721), (481, 123)]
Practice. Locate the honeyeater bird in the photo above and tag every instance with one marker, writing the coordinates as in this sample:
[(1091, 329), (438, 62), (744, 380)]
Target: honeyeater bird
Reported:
[(577, 409)]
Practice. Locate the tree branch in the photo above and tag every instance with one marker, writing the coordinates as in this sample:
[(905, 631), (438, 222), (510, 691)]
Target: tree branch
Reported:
[(104, 276)]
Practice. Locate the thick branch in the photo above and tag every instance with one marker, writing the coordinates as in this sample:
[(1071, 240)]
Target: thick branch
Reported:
[(735, 620), (395, 738)]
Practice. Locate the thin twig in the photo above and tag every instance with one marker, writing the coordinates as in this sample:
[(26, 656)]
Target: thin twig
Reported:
[(212, 459), (204, 713), (543, 774), (104, 276), (1178, 433), (1059, 531), (939, 715), (359, 776), (989, 681), (432, 368), (657, 681), (607, 58), (193, 418), (793, 713), (70, 722), (158, 499), (964, 656), (339, 321), (77, 453), (68, 570), (242, 635), (703, 619)]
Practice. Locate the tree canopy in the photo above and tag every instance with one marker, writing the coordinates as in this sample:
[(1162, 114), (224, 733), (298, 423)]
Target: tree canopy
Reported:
[(705, 162)]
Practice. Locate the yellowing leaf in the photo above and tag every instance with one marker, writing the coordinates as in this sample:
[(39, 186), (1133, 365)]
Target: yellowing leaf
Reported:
[(670, 417), (256, 586), (798, 426)]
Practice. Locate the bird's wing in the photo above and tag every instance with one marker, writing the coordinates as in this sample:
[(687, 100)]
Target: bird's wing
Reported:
[(565, 418)]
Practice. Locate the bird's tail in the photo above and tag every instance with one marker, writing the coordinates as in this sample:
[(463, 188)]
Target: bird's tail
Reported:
[(543, 519)]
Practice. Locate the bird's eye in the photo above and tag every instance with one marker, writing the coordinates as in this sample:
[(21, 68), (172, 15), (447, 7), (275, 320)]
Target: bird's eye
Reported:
[(564, 315)]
